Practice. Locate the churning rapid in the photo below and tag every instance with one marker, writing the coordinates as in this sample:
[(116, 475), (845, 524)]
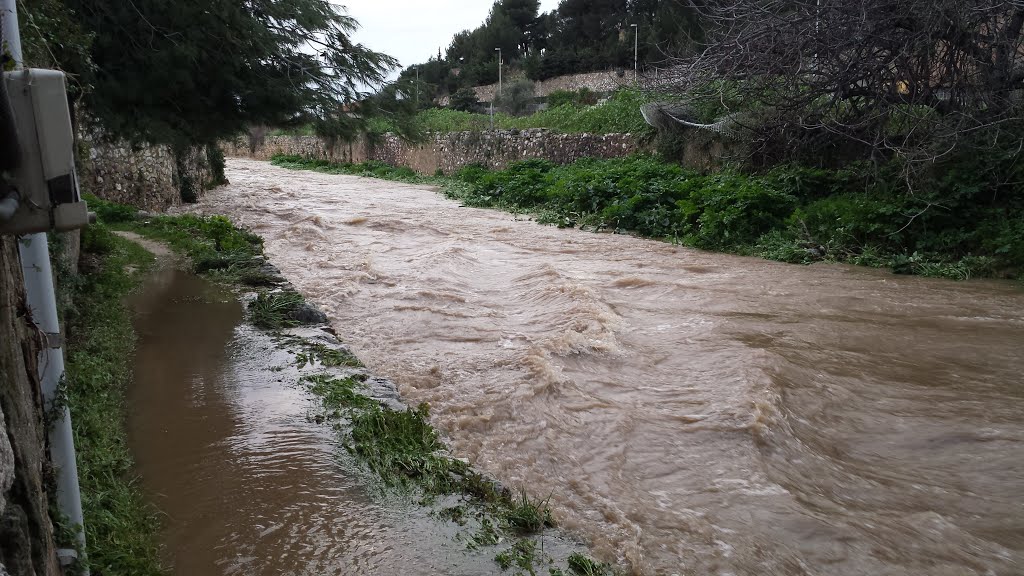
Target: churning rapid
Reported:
[(687, 412)]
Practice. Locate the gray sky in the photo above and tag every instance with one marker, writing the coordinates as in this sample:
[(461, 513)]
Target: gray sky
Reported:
[(413, 30)]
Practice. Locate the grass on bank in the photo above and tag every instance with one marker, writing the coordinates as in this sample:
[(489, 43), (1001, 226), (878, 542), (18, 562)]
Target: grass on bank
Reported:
[(966, 221), (121, 529), (619, 114)]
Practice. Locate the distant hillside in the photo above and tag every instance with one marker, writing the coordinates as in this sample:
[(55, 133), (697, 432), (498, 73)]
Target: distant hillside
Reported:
[(580, 36)]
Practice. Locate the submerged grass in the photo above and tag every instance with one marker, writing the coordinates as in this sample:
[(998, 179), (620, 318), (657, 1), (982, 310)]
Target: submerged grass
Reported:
[(121, 529), (271, 310)]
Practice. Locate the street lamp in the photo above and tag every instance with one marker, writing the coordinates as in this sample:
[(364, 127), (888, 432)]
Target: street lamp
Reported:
[(636, 45), (499, 70)]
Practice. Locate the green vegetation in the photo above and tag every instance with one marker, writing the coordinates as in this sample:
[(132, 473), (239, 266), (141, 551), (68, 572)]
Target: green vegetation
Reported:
[(969, 224), (621, 113), (792, 214), (577, 36), (580, 565), (120, 528), (338, 396), (528, 516), (313, 353), (522, 555), (581, 97), (370, 168), (272, 310)]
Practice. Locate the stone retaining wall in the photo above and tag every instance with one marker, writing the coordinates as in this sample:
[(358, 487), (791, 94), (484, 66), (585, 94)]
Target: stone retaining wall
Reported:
[(447, 152), (147, 177)]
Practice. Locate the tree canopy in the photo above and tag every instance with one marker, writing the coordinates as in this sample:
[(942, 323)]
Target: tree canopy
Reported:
[(194, 72), (578, 36)]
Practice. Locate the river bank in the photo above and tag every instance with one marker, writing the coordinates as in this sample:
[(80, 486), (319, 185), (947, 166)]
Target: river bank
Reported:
[(790, 214), (456, 520)]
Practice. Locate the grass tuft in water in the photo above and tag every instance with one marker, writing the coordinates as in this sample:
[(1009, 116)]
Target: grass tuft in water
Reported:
[(319, 353), (270, 310), (528, 516), (404, 449), (339, 394), (580, 565), (522, 555)]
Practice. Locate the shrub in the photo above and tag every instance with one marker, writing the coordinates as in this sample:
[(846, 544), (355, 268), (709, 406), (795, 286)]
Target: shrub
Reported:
[(464, 99), (215, 157), (109, 212), (729, 209), (516, 97), (98, 239), (581, 97)]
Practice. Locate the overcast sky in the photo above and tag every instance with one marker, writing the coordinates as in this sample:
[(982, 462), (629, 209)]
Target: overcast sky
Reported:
[(413, 30)]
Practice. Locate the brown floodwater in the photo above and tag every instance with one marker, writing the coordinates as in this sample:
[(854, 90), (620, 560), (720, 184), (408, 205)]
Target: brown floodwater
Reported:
[(247, 483), (688, 412)]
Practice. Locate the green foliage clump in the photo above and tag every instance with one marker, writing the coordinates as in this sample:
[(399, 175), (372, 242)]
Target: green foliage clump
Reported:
[(215, 158), (515, 99), (580, 565), (528, 516), (370, 168), (272, 310), (619, 114), (968, 220), (522, 555), (581, 97), (98, 239), (790, 213), (193, 72), (339, 394), (402, 447), (464, 100), (110, 212)]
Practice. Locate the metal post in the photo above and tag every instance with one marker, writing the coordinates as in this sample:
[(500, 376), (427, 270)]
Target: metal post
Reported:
[(499, 70), (35, 261), (9, 13), (636, 50)]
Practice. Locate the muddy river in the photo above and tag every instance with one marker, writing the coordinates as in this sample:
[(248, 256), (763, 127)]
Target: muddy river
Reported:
[(687, 412)]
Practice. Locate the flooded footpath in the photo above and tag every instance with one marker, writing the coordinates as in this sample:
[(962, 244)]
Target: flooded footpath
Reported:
[(248, 481), (688, 412)]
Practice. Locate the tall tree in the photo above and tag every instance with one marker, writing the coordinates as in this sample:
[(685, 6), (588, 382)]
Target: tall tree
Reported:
[(915, 78), (185, 72)]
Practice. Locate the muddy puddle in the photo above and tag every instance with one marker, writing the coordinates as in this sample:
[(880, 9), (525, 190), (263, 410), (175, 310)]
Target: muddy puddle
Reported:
[(248, 482)]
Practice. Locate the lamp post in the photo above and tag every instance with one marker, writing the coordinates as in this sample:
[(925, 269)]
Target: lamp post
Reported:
[(499, 70), (636, 46)]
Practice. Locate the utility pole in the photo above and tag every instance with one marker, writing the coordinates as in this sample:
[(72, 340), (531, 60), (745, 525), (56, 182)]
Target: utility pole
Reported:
[(417, 87), (636, 49), (35, 261), (499, 70)]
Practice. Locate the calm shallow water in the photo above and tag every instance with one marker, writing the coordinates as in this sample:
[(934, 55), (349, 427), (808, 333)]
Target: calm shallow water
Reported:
[(249, 485), (688, 412)]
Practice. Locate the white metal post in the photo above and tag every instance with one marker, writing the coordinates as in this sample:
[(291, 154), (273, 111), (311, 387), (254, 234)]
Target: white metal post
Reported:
[(35, 261)]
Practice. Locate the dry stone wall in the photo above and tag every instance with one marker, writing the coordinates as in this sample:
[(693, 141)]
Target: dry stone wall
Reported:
[(607, 81), (447, 152), (148, 177)]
